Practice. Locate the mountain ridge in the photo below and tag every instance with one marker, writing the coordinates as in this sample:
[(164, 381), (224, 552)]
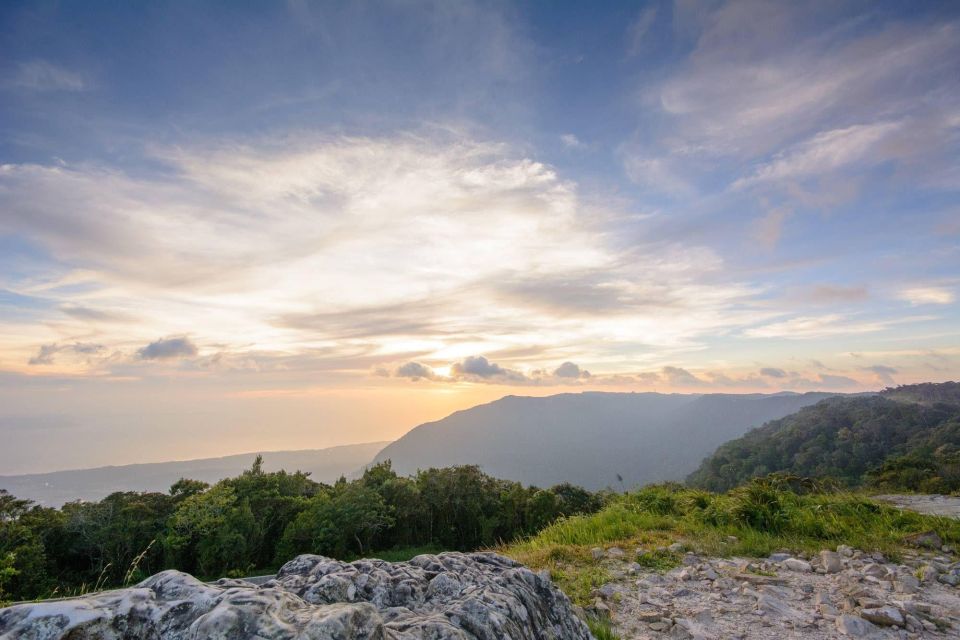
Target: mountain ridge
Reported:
[(591, 438)]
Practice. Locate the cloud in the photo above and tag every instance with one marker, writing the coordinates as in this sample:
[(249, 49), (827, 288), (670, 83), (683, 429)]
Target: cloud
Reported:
[(681, 377), (571, 141), (768, 229), (570, 370), (40, 75), (927, 295), (506, 252), (884, 373), (47, 352), (826, 152), (834, 324), (415, 371), (836, 382), (772, 372), (480, 367), (166, 348), (638, 29), (831, 294)]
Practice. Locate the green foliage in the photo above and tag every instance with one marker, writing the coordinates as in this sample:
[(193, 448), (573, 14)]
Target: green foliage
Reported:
[(258, 520), (891, 441)]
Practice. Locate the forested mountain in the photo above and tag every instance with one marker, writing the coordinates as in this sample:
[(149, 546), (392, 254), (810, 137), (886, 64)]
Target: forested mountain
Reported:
[(58, 487), (590, 439), (902, 438)]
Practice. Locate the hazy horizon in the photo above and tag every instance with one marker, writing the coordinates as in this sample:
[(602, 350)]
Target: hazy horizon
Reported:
[(229, 228)]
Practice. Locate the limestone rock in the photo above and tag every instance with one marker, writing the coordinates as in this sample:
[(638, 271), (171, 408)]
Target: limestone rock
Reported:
[(451, 596)]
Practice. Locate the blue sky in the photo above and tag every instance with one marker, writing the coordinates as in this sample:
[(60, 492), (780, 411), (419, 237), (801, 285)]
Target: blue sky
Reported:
[(343, 219)]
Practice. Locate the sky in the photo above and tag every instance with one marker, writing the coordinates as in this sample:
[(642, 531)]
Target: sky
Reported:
[(239, 226)]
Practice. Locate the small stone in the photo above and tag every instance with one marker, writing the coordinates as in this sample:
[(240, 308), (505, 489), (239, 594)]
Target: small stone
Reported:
[(597, 553), (615, 552), (659, 626), (676, 547), (845, 551), (907, 583), (779, 557)]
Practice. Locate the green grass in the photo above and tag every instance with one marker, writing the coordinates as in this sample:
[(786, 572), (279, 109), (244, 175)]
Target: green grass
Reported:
[(753, 520), (601, 629)]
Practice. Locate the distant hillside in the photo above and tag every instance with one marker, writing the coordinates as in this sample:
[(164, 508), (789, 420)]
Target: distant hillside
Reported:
[(589, 439), (908, 437), (58, 487)]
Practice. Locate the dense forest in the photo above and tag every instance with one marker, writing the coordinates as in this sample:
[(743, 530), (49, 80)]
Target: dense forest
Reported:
[(258, 520), (906, 438)]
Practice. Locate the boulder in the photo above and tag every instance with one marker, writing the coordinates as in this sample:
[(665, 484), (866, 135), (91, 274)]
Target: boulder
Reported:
[(926, 539), (451, 596)]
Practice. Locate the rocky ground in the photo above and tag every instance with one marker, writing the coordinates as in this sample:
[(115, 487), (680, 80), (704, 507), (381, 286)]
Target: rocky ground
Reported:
[(842, 593), (933, 504)]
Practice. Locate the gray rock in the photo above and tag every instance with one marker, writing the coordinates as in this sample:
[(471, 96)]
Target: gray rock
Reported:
[(885, 616), (845, 551), (597, 553), (451, 596), (831, 561), (795, 564), (854, 626), (951, 579), (927, 540), (779, 557)]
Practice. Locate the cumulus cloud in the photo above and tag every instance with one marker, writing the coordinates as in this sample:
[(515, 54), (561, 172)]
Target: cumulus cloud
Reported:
[(415, 371), (773, 372), (570, 370), (167, 348)]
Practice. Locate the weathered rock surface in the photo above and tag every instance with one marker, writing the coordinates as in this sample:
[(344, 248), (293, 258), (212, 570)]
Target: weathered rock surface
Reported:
[(432, 597), (829, 596)]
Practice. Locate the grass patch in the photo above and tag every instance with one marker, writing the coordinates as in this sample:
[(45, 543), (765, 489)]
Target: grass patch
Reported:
[(754, 520), (601, 629)]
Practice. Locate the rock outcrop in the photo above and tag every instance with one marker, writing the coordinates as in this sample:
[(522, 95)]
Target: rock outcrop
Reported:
[(432, 597)]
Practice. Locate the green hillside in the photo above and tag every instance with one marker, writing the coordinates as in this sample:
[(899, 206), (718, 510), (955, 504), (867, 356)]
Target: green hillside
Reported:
[(907, 438)]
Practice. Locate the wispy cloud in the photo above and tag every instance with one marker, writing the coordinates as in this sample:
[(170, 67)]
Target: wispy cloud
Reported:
[(41, 75), (927, 295)]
